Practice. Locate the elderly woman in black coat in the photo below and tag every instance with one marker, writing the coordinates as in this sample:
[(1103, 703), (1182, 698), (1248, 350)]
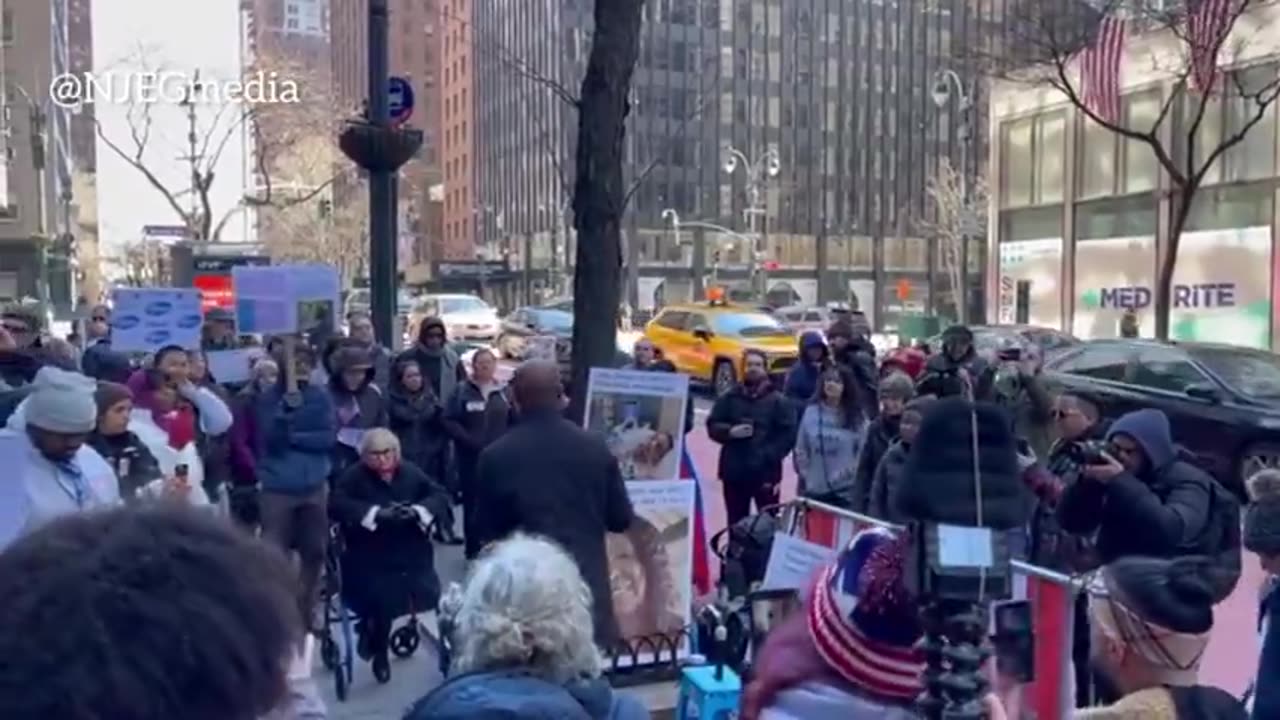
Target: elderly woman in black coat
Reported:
[(386, 508)]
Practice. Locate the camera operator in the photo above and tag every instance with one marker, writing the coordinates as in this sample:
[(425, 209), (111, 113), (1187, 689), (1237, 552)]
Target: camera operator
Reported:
[(957, 370), (1018, 387), (1141, 499)]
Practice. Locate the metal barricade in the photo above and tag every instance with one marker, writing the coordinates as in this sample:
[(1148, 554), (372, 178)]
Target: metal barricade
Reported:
[(1051, 696)]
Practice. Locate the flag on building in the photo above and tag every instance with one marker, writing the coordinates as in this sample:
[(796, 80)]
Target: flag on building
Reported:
[(1100, 69), (1208, 23)]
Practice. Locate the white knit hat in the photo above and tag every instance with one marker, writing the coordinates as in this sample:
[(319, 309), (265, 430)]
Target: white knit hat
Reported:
[(62, 402)]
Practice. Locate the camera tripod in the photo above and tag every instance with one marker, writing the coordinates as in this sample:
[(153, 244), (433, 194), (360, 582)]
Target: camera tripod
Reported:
[(953, 643)]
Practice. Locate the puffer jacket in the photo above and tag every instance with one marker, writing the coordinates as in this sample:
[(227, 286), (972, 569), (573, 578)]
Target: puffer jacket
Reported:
[(887, 479), (521, 695), (1197, 702), (818, 700), (417, 420)]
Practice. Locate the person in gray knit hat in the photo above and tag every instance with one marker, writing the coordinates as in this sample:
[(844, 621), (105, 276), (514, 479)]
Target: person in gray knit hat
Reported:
[(1262, 536), (52, 471), (895, 391)]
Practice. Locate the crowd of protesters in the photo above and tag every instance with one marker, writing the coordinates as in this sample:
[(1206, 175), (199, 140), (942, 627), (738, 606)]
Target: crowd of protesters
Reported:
[(402, 451)]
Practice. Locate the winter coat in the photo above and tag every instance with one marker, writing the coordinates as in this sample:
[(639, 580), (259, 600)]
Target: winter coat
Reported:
[(240, 440), (36, 491), (520, 695), (755, 460), (354, 412), (442, 368), (859, 358), (215, 450), (826, 454), (292, 446), (417, 420), (1030, 411), (547, 476), (100, 362), (1162, 513), (941, 377), (1198, 702), (1266, 692), (134, 464), (802, 378), (388, 569), (474, 419), (887, 481), (880, 436), (820, 700), (1051, 546)]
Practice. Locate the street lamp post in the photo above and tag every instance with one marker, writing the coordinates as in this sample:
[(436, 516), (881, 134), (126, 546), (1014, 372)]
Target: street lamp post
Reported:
[(943, 80), (758, 173), (676, 224)]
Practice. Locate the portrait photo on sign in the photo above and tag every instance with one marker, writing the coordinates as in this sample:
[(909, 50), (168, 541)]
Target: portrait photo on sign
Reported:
[(644, 432), (316, 316)]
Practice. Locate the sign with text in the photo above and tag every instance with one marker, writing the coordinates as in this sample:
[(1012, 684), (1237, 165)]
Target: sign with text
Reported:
[(278, 299), (147, 319)]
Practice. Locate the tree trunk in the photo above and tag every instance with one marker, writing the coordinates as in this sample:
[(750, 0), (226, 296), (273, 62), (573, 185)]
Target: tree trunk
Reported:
[(1162, 302), (598, 190)]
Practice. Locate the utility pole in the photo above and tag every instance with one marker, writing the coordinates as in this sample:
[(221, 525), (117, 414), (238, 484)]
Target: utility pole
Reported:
[(193, 157)]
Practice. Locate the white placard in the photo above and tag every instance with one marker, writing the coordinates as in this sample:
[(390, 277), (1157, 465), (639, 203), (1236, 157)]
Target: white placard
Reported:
[(964, 547), (147, 319), (793, 563)]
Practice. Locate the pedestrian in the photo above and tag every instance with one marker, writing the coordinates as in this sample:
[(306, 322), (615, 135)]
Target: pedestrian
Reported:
[(756, 428), (416, 417), (360, 330), (136, 468), (215, 450), (294, 434), (219, 330), (264, 375), (1130, 327), (853, 350), (829, 439), (358, 403), (440, 365), (1151, 619), (476, 415), (957, 370), (548, 476), (1262, 536), (892, 470), (523, 630), (386, 508), (50, 470), (896, 390), (99, 360), (149, 614), (801, 384), (1141, 499)]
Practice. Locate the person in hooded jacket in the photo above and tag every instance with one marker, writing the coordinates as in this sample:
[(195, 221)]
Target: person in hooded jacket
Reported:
[(360, 330), (243, 491), (756, 429), (1262, 536), (801, 384), (357, 402), (892, 469), (853, 350), (416, 417), (896, 390), (476, 415), (136, 468), (440, 365), (957, 369), (832, 428), (522, 635), (1143, 500)]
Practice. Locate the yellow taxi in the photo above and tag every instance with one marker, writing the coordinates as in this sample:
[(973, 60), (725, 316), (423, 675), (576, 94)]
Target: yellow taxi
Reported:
[(706, 340)]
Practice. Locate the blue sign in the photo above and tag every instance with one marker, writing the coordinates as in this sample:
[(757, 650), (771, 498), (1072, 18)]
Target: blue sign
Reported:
[(400, 99)]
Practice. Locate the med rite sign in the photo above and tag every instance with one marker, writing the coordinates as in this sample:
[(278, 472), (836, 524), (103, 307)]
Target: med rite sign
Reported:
[(1203, 295)]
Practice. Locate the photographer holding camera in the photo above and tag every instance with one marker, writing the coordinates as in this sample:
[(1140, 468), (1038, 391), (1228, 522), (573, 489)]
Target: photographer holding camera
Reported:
[(958, 370)]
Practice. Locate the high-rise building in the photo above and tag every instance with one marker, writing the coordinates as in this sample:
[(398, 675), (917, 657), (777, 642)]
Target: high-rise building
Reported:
[(463, 213), (38, 212), (839, 92)]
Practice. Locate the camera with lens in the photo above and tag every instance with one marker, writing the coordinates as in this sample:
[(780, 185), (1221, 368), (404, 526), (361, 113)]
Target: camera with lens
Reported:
[(1087, 452)]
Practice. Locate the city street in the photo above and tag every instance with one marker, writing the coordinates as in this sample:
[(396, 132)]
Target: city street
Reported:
[(1229, 663)]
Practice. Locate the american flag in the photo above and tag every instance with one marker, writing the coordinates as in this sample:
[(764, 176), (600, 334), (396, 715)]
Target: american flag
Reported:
[(1208, 22), (1100, 69)]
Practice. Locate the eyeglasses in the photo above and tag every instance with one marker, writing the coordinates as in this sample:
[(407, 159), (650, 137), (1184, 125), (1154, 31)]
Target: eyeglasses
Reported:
[(99, 318)]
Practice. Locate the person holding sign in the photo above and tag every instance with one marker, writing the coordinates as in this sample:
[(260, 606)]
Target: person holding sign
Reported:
[(49, 469)]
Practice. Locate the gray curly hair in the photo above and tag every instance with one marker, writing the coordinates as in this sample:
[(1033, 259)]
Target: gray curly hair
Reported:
[(525, 603)]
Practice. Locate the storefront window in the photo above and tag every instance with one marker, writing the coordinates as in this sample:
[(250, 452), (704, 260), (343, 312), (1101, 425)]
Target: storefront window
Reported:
[(1097, 166), (1016, 178), (909, 254), (1049, 154), (1033, 156), (1254, 157), (850, 253), (1141, 169)]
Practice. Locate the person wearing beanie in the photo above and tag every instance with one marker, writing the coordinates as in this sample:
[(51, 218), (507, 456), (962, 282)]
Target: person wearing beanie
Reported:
[(1150, 620), (893, 466), (957, 369), (854, 352), (896, 390), (135, 466), (1262, 536), (359, 403), (50, 470)]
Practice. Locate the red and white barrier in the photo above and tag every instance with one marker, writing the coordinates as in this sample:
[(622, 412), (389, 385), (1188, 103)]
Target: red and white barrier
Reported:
[(1052, 595)]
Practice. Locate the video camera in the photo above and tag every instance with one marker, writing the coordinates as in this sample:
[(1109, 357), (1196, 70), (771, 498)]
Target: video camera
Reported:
[(1087, 452)]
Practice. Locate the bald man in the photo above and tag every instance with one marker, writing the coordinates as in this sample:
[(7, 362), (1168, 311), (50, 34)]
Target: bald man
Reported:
[(547, 476)]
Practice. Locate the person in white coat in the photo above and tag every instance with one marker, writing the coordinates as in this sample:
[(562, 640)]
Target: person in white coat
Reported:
[(50, 470)]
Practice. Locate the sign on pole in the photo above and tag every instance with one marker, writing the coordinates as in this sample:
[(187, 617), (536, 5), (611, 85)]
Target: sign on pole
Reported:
[(400, 99), (165, 231), (147, 319), (278, 299)]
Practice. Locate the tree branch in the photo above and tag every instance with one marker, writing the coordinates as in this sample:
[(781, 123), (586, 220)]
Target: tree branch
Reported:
[(676, 136), (136, 163)]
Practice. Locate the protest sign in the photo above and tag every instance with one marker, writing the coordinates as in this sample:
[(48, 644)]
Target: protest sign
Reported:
[(279, 299), (641, 416), (147, 319), (231, 367), (794, 562)]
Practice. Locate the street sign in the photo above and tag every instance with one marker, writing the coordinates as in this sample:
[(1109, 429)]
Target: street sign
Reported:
[(400, 99), (167, 231)]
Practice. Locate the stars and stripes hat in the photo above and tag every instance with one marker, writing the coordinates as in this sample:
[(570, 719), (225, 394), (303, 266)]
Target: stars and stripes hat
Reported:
[(863, 620)]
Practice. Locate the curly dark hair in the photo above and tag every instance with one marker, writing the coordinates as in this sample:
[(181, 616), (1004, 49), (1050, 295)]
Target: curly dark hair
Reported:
[(150, 614)]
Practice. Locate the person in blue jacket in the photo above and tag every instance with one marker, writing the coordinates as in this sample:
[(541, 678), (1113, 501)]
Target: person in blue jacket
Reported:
[(1262, 536), (295, 433), (802, 378)]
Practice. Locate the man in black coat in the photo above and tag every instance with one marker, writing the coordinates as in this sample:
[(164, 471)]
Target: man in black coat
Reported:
[(756, 428), (547, 476), (957, 369)]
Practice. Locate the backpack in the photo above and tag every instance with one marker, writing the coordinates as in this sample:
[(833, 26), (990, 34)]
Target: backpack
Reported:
[(1221, 540)]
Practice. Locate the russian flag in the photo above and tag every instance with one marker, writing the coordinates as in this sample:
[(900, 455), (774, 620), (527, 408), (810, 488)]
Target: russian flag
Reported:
[(701, 559)]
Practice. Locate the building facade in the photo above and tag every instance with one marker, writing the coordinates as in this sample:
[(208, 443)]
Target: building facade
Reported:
[(1080, 216), (838, 91)]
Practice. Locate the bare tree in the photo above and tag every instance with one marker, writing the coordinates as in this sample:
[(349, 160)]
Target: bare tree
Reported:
[(1185, 46), (279, 130), (958, 213), (321, 232), (142, 263)]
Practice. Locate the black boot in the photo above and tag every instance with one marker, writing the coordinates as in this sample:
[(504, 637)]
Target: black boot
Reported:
[(364, 644), (382, 668)]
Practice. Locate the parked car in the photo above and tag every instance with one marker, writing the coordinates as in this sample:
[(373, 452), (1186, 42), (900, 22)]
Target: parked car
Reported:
[(706, 340), (803, 318), (466, 317), (528, 322), (1223, 401), (989, 338)]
